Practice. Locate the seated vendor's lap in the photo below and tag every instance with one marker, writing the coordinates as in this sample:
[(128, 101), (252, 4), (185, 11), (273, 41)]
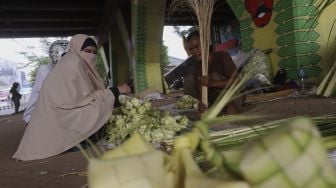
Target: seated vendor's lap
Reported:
[(233, 107)]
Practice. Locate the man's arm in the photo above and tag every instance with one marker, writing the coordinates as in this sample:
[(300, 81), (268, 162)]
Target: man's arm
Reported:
[(218, 83)]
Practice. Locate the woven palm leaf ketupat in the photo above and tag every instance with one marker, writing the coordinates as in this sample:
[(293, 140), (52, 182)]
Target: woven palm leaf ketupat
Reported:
[(289, 156), (292, 156), (134, 164)]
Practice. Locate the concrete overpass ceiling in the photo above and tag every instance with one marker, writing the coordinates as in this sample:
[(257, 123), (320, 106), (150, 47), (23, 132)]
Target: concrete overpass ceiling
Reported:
[(184, 16), (45, 18), (41, 18)]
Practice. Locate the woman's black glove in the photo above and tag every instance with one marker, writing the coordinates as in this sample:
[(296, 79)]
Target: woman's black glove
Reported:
[(116, 94)]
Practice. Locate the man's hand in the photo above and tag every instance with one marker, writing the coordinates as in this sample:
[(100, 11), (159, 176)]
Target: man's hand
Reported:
[(204, 80), (124, 89), (202, 107)]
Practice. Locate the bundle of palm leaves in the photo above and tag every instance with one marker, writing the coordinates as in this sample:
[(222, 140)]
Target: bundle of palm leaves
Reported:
[(327, 87)]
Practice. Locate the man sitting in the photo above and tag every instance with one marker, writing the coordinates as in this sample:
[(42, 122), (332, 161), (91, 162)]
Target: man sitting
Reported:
[(221, 70)]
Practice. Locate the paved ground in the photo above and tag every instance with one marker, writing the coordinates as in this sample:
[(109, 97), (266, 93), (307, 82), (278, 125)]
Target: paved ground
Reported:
[(7, 106), (60, 171), (66, 170)]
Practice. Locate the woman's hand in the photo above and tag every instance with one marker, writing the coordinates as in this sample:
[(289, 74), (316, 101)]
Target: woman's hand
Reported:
[(124, 89)]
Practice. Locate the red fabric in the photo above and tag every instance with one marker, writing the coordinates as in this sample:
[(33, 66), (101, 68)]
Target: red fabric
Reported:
[(227, 45)]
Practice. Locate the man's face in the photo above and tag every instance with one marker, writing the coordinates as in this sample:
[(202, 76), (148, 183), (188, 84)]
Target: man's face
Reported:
[(56, 53), (194, 47)]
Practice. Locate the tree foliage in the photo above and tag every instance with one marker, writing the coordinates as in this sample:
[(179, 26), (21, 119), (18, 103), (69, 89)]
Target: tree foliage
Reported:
[(164, 57), (43, 60), (183, 31), (34, 60), (164, 61)]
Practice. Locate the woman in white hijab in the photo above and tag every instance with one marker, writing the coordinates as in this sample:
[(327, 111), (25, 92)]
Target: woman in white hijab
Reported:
[(73, 104), (56, 50)]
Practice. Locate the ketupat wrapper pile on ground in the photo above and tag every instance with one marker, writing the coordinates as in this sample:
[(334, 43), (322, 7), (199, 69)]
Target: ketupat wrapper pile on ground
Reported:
[(153, 124), (187, 102), (290, 156)]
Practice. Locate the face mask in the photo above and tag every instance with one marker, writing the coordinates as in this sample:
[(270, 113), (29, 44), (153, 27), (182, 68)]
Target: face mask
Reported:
[(89, 58)]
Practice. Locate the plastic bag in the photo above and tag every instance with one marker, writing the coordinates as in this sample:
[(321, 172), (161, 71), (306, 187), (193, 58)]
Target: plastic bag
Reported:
[(260, 66)]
